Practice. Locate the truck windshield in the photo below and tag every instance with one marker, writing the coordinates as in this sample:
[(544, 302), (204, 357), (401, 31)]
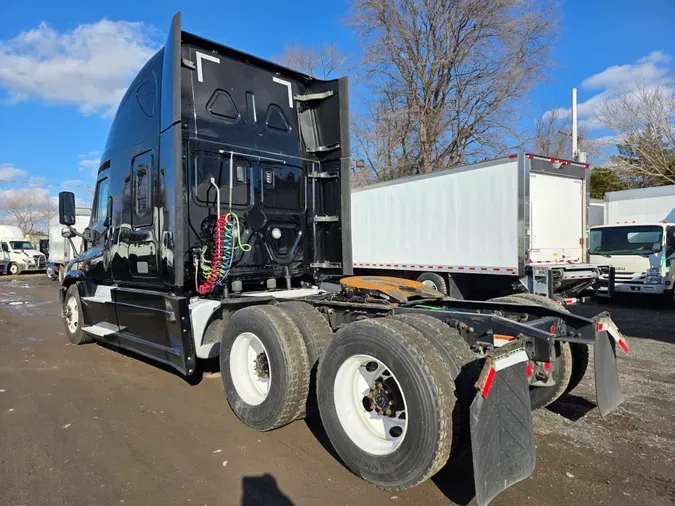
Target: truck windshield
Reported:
[(637, 240), (21, 245)]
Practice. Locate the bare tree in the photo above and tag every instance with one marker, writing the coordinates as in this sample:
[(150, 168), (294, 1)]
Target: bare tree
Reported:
[(322, 63), (456, 70), (553, 137), (643, 122), (29, 210)]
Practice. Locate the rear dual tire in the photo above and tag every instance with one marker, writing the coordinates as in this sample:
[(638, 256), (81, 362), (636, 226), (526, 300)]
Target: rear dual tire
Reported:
[(415, 373), (418, 367), (570, 364), (264, 367)]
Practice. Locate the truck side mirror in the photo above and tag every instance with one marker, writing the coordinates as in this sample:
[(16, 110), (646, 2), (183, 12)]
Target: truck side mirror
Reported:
[(67, 208)]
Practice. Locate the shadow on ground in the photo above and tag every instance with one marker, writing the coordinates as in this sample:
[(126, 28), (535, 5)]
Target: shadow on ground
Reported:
[(262, 491), (572, 407)]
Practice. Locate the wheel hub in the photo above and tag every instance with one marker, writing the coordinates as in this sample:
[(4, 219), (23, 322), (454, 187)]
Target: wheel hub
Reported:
[(382, 399), (261, 366)]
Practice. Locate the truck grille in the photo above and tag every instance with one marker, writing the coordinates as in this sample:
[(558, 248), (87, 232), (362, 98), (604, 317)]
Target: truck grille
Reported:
[(40, 261)]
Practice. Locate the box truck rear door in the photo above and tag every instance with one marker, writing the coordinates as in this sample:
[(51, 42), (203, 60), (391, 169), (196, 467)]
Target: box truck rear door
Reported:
[(556, 219)]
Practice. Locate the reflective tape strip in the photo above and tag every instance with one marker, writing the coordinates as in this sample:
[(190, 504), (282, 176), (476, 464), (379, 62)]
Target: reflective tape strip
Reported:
[(436, 268), (509, 360), (500, 340)]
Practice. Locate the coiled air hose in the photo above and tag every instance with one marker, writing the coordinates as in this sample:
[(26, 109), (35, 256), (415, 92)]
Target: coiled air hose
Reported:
[(227, 226)]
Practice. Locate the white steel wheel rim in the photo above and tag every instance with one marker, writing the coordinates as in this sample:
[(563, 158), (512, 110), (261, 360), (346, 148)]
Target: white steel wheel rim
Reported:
[(373, 433), (430, 284), (252, 386), (72, 314), (13, 269)]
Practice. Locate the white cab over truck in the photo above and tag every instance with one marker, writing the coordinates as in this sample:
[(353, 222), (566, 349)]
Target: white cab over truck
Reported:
[(19, 253), (62, 249), (637, 241), (481, 230)]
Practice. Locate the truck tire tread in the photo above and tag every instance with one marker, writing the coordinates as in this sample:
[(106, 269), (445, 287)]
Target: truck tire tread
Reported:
[(317, 334), (286, 352), (388, 335), (566, 358), (79, 336)]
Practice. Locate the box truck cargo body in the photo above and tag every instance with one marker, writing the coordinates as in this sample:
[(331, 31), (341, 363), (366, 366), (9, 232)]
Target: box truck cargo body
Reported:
[(478, 229), (63, 249), (596, 212), (636, 240)]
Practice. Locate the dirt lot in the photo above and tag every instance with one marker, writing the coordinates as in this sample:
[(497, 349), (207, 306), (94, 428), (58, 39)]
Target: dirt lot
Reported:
[(89, 425)]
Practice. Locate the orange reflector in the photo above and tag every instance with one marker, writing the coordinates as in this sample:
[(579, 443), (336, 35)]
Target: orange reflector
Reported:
[(547, 366), (553, 329)]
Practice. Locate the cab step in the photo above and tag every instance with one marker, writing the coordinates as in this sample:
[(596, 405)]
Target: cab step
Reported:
[(102, 329)]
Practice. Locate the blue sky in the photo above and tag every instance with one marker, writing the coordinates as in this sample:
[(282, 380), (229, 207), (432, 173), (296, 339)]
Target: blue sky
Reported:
[(63, 67)]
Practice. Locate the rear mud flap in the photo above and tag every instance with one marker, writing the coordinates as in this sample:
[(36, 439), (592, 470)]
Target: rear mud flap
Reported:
[(502, 434), (607, 389)]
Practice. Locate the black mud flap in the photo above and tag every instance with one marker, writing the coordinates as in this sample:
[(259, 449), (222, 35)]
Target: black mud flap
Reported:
[(607, 389), (502, 434)]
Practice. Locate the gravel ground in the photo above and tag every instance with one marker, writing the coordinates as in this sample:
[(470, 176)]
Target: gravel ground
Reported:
[(89, 425)]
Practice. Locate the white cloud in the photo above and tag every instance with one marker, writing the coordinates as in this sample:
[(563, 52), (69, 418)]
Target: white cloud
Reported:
[(90, 66), (622, 77), (618, 80), (90, 162), (27, 195), (9, 173)]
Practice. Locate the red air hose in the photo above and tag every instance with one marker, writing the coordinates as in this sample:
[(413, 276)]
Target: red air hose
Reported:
[(217, 256)]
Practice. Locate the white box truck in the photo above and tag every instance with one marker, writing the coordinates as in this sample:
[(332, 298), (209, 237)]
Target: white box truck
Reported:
[(596, 213), (20, 255), (62, 249), (482, 230), (637, 241)]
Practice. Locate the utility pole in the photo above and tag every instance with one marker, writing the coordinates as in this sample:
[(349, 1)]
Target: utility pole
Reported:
[(577, 156)]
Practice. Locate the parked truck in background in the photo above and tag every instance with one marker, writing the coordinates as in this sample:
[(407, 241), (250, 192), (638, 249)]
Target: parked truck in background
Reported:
[(221, 227), (490, 229), (596, 213), (638, 240), (21, 254), (63, 248)]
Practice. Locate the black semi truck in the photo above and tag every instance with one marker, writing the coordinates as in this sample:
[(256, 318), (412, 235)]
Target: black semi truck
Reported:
[(221, 227)]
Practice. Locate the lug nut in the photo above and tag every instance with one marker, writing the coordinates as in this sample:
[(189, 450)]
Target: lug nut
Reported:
[(380, 385), (380, 412), (370, 395), (389, 412), (373, 406), (391, 403)]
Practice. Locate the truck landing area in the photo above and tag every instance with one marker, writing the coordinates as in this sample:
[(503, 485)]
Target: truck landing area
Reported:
[(88, 425)]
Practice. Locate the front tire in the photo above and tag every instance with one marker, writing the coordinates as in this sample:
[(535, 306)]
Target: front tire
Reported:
[(73, 318), (387, 364), (13, 269), (264, 367)]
